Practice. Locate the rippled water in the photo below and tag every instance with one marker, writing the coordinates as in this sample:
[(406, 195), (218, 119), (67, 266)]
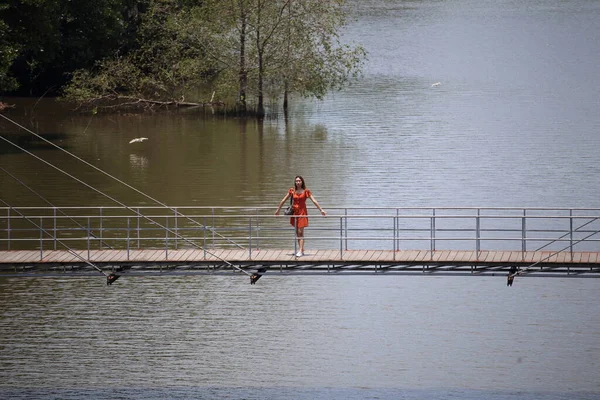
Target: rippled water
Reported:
[(513, 122), (301, 337)]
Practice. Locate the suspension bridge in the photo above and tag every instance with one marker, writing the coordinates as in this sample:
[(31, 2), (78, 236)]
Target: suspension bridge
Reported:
[(76, 241)]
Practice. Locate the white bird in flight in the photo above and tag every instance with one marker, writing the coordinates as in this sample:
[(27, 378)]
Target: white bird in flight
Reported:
[(436, 84), (139, 139)]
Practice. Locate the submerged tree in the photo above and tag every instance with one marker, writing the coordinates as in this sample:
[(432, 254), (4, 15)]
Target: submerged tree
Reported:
[(240, 49), (282, 47), (310, 52)]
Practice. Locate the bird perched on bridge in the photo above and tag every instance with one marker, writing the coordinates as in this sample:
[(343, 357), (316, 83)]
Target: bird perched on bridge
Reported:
[(511, 275), (110, 278), (138, 140), (256, 276)]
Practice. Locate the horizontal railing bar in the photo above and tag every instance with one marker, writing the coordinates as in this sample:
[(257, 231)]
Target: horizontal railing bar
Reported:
[(337, 217), (225, 230), (177, 208), (181, 235), (357, 238), (314, 229)]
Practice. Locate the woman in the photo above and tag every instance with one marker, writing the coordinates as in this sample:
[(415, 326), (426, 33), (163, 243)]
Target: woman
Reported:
[(300, 218)]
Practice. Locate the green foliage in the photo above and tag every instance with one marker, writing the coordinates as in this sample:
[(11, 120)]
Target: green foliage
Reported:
[(163, 64), (118, 75), (51, 38), (8, 52), (270, 47), (243, 50), (162, 50), (171, 63)]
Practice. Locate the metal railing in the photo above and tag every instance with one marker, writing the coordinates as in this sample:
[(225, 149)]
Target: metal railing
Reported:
[(402, 228)]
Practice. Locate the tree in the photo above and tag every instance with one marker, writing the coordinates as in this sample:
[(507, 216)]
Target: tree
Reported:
[(161, 66), (311, 54), (49, 39), (282, 46), (240, 49), (8, 53)]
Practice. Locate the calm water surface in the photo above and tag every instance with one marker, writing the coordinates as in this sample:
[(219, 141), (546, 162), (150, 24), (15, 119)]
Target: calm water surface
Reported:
[(513, 122)]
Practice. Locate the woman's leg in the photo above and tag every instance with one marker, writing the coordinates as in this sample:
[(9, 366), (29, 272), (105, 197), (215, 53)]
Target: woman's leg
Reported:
[(300, 236)]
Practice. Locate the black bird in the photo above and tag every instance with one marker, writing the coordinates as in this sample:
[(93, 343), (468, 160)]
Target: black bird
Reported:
[(256, 276), (111, 278), (511, 275)]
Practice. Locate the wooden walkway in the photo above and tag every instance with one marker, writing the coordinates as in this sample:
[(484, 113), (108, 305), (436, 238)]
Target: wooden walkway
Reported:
[(317, 261)]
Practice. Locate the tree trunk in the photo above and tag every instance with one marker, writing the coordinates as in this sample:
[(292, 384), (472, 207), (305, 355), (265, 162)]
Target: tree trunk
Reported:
[(243, 73), (260, 110), (285, 98)]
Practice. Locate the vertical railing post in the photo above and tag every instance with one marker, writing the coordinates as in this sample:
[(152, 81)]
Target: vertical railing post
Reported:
[(204, 237), (432, 233), (250, 237), (41, 238), (524, 232), (89, 236), (127, 240), (345, 217), (478, 232), (8, 229), (100, 229), (571, 232), (166, 237), (54, 229), (176, 227), (394, 223), (213, 227), (397, 230), (257, 231), (138, 227), (345, 232)]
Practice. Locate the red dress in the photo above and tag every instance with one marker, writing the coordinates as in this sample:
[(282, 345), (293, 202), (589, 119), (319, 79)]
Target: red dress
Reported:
[(300, 208)]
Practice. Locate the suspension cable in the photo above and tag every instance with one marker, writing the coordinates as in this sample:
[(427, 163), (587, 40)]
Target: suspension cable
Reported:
[(125, 206), (566, 234), (56, 208), (119, 181), (71, 251), (526, 269)]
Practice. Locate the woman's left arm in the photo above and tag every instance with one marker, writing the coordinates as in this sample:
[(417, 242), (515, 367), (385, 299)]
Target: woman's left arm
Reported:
[(317, 204)]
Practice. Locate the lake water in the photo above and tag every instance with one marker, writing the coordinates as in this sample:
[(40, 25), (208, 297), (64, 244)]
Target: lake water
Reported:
[(300, 337), (514, 121)]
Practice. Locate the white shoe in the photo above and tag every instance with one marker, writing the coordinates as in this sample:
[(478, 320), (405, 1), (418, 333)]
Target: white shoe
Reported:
[(299, 254)]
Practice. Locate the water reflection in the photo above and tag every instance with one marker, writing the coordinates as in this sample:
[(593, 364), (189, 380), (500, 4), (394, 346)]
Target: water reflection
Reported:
[(14, 142)]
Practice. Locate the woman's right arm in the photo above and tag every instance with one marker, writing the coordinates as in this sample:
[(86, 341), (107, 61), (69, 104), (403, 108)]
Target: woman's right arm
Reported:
[(282, 202)]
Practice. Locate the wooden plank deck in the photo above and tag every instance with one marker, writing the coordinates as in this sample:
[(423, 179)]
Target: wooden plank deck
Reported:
[(285, 257)]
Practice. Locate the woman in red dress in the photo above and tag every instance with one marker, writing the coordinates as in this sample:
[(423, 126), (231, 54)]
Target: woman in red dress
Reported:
[(300, 218)]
